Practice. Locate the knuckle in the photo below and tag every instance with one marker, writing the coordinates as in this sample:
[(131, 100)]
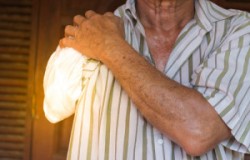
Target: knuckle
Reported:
[(63, 41), (89, 11), (67, 28), (77, 18), (98, 16), (108, 14)]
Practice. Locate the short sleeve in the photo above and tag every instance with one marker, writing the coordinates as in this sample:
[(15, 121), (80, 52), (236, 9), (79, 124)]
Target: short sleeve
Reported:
[(224, 80), (66, 72)]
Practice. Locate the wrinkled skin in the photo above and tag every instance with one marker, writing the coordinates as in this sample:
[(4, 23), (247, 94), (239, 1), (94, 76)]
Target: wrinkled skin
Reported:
[(181, 113)]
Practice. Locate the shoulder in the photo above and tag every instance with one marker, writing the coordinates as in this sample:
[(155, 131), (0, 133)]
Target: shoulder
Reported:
[(241, 18), (239, 23), (233, 28)]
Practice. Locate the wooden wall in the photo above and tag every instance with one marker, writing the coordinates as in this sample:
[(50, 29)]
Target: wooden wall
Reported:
[(236, 4), (16, 82)]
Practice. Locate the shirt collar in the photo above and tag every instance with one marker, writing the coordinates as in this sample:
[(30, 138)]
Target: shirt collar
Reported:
[(206, 13), (130, 11)]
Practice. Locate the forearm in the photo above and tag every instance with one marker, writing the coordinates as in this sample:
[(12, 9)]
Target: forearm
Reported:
[(179, 112)]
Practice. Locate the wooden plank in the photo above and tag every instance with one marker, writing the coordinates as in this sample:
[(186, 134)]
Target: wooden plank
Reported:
[(12, 114), (12, 90), (13, 66), (15, 18), (9, 158), (13, 97), (13, 74), (16, 2), (11, 138), (14, 33), (15, 25), (11, 146), (12, 122), (10, 57), (12, 130), (12, 105), (11, 153), (14, 49), (13, 82), (15, 9), (14, 41)]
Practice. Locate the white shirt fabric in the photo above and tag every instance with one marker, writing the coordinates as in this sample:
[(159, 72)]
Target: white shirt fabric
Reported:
[(66, 73)]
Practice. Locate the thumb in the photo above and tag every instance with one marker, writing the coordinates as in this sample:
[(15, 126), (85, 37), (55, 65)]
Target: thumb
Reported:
[(66, 42), (61, 44)]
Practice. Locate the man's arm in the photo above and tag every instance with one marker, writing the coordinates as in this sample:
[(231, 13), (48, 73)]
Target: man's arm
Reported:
[(181, 113)]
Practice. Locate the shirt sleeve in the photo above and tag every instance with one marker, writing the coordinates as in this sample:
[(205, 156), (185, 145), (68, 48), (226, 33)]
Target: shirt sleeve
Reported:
[(224, 80), (65, 76)]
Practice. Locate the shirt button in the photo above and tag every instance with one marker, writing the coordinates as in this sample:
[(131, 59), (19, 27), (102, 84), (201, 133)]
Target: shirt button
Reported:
[(160, 141)]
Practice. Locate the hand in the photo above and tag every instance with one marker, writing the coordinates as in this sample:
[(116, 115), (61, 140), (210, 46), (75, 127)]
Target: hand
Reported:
[(94, 34)]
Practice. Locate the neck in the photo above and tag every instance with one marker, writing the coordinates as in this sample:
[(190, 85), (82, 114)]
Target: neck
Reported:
[(165, 14)]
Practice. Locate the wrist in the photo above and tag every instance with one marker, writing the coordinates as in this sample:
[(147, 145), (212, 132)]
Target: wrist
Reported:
[(114, 49)]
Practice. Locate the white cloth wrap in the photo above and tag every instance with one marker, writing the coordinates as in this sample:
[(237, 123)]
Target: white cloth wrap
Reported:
[(64, 81)]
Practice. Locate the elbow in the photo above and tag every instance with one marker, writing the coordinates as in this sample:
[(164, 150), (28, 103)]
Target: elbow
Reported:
[(199, 145), (199, 142), (195, 147)]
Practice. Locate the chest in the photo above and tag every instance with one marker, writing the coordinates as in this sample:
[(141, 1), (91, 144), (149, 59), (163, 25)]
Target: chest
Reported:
[(160, 46)]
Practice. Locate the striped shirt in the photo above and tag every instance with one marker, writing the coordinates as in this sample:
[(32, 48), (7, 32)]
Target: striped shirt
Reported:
[(211, 55)]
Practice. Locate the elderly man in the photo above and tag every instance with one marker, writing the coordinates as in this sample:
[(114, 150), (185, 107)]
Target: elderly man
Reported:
[(185, 65)]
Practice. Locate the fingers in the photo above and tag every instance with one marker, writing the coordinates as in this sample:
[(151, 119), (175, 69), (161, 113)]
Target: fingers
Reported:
[(108, 14), (78, 19), (90, 13), (66, 42), (70, 31)]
